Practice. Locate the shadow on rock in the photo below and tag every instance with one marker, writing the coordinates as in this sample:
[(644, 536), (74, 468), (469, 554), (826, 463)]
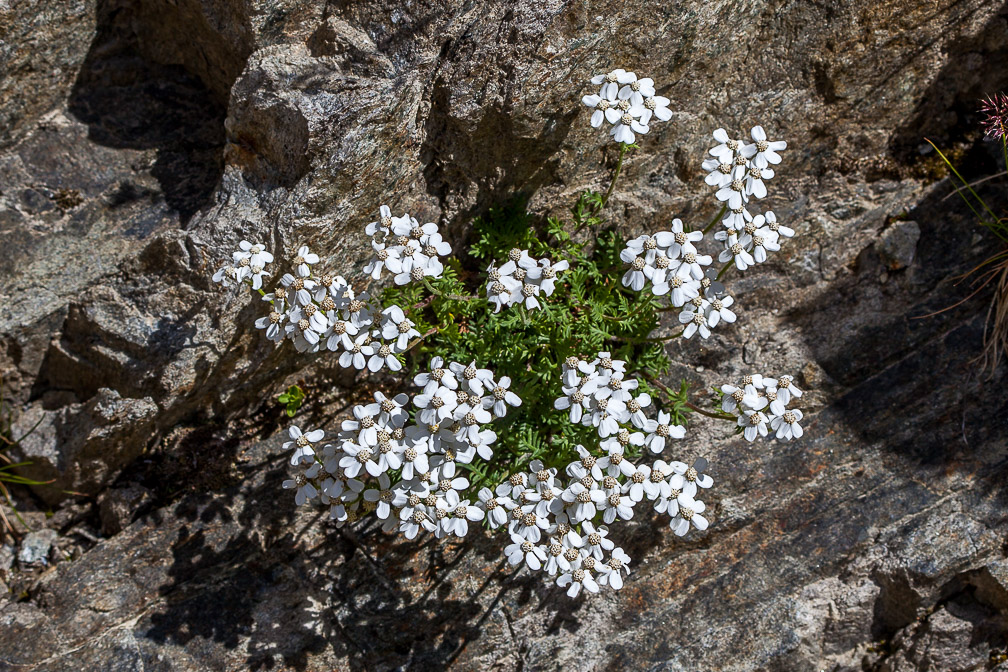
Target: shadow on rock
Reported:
[(128, 100)]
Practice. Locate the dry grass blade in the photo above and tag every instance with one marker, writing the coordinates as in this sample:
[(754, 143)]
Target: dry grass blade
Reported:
[(996, 327)]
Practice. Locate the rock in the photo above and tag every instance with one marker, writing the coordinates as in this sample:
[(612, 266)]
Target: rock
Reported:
[(898, 244), (82, 447), (142, 140), (7, 555), (35, 546), (116, 507)]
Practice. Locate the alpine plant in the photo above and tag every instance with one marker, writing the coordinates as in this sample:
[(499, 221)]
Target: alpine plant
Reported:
[(420, 460)]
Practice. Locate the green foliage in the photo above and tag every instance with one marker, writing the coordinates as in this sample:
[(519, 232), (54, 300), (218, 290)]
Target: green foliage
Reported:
[(589, 312), (291, 400)]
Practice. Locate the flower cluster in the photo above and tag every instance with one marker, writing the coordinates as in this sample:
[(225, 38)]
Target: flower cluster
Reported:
[(425, 463), (408, 250), (627, 103), (760, 402), (522, 279), (249, 263), (738, 170), (995, 111), (406, 472)]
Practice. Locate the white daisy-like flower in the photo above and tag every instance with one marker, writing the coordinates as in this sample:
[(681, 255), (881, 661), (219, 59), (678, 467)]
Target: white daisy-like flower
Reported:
[(612, 81), (600, 104), (355, 458), (787, 389), (661, 430), (754, 177), (580, 576), (273, 324), (729, 148), (786, 425), (383, 355), (383, 225), (305, 489), (629, 123), (754, 424), (357, 354), (304, 260), (436, 406), (520, 550), (382, 255), (735, 250), (694, 318), (719, 173), (254, 252), (611, 572), (381, 496), (680, 288), (549, 274), (691, 265), (304, 452), (736, 218), (718, 311), (495, 507), (777, 227), (299, 290), (637, 90), (688, 515), (397, 328), (582, 501), (764, 152), (502, 398), (439, 375)]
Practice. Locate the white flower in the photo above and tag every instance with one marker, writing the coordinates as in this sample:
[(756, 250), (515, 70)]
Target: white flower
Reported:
[(273, 324), (717, 311), (754, 181), (611, 571), (397, 328), (356, 355), (688, 515), (787, 389), (729, 148), (735, 249), (617, 505), (637, 90), (786, 425), (691, 265), (381, 496), (754, 424), (254, 252), (694, 476), (496, 508), (682, 243), (776, 227), (383, 356), (298, 289), (227, 276), (736, 218), (437, 405), (763, 152), (304, 260), (600, 104), (382, 255), (304, 452), (629, 123), (575, 400), (595, 540), (611, 82), (659, 430), (523, 551), (719, 174), (502, 398), (305, 489), (548, 275), (694, 318), (736, 397), (682, 289), (581, 501), (356, 458), (579, 577)]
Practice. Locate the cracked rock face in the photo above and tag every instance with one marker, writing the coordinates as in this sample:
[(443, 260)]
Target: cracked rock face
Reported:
[(141, 140)]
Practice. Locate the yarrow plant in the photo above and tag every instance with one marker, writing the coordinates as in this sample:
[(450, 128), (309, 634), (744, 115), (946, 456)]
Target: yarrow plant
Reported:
[(535, 407)]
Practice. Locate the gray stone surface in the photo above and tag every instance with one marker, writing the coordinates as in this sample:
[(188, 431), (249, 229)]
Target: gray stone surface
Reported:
[(35, 547), (142, 140)]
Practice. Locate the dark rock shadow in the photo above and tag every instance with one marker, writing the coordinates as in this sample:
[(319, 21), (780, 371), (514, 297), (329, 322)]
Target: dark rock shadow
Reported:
[(503, 164), (908, 368), (130, 101)]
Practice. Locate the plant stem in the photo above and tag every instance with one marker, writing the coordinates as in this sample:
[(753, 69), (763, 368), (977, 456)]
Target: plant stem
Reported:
[(724, 270), (616, 173), (432, 330), (717, 218), (718, 416)]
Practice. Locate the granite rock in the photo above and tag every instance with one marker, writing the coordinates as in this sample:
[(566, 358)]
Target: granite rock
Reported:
[(143, 139)]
